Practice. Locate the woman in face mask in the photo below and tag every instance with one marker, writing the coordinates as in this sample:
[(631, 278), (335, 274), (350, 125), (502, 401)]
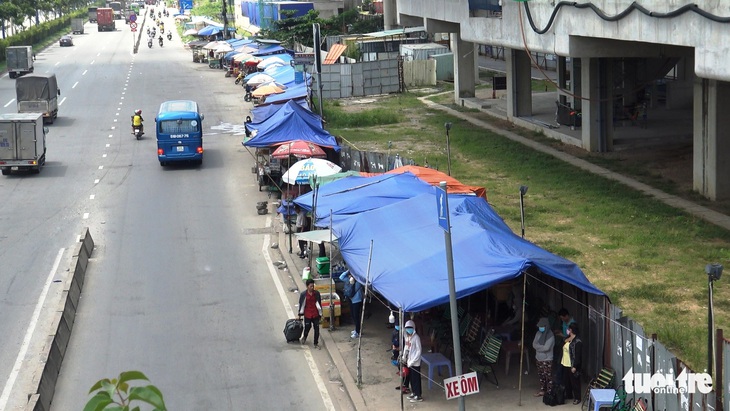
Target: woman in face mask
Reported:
[(543, 344), (571, 363), (354, 292)]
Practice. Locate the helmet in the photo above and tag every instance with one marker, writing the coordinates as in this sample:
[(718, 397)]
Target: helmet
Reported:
[(138, 112)]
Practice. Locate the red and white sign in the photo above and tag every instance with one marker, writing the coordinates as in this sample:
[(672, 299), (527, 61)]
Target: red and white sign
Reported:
[(133, 25), (461, 385)]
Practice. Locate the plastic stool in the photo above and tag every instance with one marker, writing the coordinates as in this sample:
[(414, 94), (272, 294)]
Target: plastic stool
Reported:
[(435, 361)]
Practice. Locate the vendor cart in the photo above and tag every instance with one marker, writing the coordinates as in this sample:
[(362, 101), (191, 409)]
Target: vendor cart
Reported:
[(268, 170)]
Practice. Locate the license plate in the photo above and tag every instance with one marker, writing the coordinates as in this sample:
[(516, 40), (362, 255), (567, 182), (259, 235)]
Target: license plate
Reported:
[(15, 168), (180, 149)]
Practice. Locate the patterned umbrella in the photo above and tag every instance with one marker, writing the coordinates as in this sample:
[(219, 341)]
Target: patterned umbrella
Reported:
[(299, 149), (300, 171)]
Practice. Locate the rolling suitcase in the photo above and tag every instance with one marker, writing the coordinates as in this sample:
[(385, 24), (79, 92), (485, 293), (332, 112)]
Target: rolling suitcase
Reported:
[(293, 330)]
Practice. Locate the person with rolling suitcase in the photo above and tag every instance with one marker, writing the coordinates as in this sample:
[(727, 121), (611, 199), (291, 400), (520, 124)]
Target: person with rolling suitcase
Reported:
[(310, 306), (293, 330)]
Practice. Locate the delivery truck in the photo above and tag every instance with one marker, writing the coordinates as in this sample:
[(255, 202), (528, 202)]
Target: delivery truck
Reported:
[(105, 19), (92, 14), (22, 142), (19, 60), (38, 93), (77, 26)]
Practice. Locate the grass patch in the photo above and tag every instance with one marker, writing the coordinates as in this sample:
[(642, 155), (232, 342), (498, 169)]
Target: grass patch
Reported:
[(648, 257)]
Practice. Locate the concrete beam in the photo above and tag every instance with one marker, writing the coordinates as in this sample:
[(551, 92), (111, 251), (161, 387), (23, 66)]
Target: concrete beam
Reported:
[(440, 26), (600, 47), (406, 20)]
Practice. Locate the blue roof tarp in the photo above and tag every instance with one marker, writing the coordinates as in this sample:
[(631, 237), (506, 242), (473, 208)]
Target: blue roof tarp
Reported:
[(293, 92), (353, 195), (263, 112), (291, 122), (408, 265)]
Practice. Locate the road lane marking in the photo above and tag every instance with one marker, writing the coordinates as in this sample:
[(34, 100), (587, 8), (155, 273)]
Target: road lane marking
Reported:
[(75, 84), (290, 314), (92, 196), (84, 73), (96, 181), (92, 62), (101, 167), (29, 333), (86, 216), (62, 100), (9, 102)]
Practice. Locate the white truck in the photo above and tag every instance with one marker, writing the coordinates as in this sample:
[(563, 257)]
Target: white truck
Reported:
[(19, 60), (38, 93), (77, 26), (22, 142)]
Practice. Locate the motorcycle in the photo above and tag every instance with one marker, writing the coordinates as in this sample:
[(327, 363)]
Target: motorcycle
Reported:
[(149, 43), (137, 131), (239, 78), (162, 29), (160, 40), (169, 36)]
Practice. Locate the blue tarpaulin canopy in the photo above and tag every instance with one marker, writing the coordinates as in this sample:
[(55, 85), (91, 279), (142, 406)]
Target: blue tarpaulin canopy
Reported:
[(293, 92), (352, 195), (291, 122), (263, 112), (408, 265)]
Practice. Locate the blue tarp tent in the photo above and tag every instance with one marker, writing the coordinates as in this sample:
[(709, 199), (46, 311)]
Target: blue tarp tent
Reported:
[(408, 265), (263, 112), (293, 92), (291, 122), (355, 194)]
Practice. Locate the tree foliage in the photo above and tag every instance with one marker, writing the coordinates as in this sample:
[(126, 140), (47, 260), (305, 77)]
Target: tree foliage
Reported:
[(117, 394), (290, 30)]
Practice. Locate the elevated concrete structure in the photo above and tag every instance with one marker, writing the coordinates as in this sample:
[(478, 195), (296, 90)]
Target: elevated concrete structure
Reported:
[(615, 62)]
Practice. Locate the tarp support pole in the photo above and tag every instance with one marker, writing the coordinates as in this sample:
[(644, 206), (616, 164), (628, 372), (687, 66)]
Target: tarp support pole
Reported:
[(362, 316), (522, 337)]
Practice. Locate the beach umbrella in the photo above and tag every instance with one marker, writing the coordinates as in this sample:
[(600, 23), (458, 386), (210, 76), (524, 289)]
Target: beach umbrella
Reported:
[(209, 31), (223, 48), (271, 61), (190, 32), (262, 91), (300, 171), (299, 149), (259, 79)]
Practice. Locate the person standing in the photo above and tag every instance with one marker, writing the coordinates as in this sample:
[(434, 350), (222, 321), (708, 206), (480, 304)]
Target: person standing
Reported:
[(355, 292), (571, 362), (413, 360), (310, 307), (301, 227), (543, 344)]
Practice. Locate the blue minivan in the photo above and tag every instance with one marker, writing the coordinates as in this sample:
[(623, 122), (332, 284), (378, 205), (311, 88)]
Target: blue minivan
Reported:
[(179, 132)]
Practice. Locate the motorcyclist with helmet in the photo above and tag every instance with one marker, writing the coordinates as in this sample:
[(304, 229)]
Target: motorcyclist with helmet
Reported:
[(137, 121)]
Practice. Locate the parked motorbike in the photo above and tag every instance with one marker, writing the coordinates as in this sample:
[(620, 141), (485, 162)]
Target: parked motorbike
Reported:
[(169, 36), (239, 78), (149, 43), (160, 40)]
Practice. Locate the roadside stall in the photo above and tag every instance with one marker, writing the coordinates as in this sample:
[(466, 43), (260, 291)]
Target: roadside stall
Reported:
[(196, 46)]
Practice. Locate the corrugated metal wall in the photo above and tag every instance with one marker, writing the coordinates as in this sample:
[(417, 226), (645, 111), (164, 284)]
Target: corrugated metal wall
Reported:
[(359, 79)]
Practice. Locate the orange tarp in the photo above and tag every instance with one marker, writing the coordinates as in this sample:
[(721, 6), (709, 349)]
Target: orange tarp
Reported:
[(434, 177)]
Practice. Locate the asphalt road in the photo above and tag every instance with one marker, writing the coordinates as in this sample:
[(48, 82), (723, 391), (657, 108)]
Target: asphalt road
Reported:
[(179, 286)]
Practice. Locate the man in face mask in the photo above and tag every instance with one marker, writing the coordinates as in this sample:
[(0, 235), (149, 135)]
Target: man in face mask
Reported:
[(354, 292)]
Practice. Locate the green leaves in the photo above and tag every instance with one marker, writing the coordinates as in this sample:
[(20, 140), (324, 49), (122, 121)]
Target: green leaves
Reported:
[(116, 395)]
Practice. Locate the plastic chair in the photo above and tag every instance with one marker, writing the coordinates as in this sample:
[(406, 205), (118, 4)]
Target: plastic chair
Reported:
[(604, 379), (488, 356)]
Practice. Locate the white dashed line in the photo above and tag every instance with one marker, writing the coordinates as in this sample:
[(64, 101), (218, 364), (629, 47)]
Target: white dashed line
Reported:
[(101, 167), (62, 100), (84, 73), (107, 144), (92, 62), (103, 156), (96, 181), (91, 197), (75, 84), (9, 102), (86, 216)]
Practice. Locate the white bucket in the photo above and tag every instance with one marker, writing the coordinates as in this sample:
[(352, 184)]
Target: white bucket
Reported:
[(306, 274)]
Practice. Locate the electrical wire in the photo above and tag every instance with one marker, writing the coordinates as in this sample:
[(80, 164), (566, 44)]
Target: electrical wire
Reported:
[(633, 6)]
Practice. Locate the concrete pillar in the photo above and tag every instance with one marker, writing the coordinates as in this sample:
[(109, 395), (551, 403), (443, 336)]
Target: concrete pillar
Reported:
[(465, 66), (576, 87), (562, 71), (597, 104), (390, 15), (519, 83), (710, 165)]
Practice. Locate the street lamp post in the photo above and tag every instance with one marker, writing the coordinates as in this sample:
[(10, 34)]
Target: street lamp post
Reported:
[(523, 191), (714, 272), (448, 146)]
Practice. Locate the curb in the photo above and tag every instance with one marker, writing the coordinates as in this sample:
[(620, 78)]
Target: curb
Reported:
[(348, 381), (52, 354)]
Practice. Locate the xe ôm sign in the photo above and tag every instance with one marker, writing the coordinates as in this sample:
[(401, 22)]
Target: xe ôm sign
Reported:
[(461, 385)]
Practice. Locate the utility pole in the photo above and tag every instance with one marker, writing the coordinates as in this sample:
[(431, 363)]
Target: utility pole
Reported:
[(225, 20)]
